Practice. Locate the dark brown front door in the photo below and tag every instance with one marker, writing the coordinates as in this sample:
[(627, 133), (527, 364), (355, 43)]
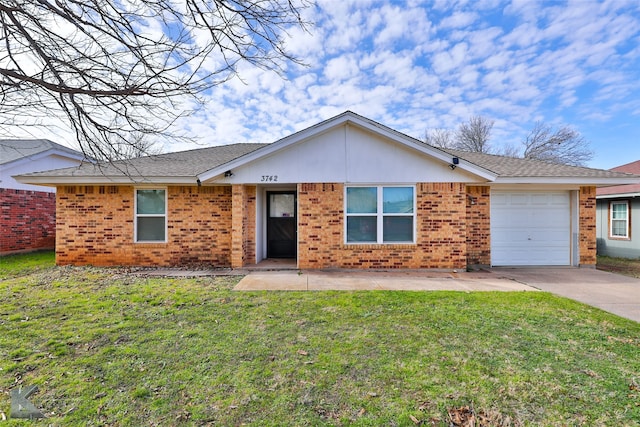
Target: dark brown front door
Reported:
[(281, 224)]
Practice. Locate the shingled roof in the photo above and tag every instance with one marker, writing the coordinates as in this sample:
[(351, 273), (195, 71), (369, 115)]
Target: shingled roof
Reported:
[(187, 167), (183, 164), (622, 190), (519, 168), (16, 149)]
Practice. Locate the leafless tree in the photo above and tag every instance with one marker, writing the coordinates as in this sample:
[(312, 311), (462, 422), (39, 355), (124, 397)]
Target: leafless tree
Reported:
[(474, 135), (139, 145), (442, 138), (112, 69), (564, 145)]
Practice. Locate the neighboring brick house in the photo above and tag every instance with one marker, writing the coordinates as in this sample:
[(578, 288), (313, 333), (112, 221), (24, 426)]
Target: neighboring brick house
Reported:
[(618, 209), (345, 193), (28, 216)]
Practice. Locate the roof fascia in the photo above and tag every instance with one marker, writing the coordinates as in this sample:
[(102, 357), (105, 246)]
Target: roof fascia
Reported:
[(597, 181), (618, 196), (351, 119), (53, 181)]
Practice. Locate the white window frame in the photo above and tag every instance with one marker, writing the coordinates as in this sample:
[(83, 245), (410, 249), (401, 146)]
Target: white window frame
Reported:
[(136, 215), (380, 215), (626, 220)]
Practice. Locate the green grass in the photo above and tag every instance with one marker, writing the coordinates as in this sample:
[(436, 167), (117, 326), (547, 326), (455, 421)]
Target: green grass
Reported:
[(14, 265), (626, 266), (108, 348)]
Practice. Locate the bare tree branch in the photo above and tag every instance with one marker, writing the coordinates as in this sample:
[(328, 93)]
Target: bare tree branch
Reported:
[(114, 70), (442, 138), (474, 135), (564, 145)]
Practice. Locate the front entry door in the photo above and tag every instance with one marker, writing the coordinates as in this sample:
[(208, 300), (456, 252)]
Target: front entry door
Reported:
[(281, 224)]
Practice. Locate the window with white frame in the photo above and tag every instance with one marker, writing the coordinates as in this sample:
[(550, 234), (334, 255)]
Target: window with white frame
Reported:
[(619, 219), (151, 215), (380, 214)]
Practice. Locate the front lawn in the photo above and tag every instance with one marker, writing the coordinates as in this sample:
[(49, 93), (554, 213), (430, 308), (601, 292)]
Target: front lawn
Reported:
[(626, 266), (108, 348)]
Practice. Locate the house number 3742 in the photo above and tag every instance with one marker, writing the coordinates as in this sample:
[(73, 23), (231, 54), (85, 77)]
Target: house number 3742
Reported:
[(269, 178)]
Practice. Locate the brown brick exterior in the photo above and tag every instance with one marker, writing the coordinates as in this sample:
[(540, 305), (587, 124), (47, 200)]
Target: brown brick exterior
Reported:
[(440, 236), (216, 226), (588, 238), (478, 226), (95, 226), (27, 220), (243, 226)]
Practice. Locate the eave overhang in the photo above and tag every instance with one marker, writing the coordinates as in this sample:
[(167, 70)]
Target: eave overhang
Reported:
[(53, 181), (582, 181)]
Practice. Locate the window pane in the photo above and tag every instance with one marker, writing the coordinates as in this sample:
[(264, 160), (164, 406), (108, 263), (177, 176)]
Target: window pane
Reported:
[(398, 229), (398, 200), (282, 205), (361, 229), (619, 228), (619, 211), (362, 200), (150, 202), (151, 229)]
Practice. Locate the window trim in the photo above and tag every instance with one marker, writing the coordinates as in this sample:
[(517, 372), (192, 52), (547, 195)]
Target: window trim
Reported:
[(136, 215), (627, 220), (380, 215)]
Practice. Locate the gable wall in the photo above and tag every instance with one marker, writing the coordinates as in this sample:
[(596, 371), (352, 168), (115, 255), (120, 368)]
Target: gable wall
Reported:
[(347, 154), (95, 225), (441, 239), (28, 165)]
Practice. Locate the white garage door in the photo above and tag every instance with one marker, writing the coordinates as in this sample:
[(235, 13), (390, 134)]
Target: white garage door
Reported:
[(530, 228)]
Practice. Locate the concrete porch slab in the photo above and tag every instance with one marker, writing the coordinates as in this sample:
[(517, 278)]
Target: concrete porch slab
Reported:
[(360, 281)]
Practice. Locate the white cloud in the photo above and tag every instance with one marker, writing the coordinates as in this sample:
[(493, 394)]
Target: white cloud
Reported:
[(342, 68), (414, 65), (458, 20)]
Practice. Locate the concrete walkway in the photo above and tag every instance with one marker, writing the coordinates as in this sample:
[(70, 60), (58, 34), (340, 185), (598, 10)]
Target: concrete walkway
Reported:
[(614, 293), (346, 280)]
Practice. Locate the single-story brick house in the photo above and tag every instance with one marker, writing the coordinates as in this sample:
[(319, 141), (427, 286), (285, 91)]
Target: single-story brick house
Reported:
[(28, 212), (617, 213), (345, 193)]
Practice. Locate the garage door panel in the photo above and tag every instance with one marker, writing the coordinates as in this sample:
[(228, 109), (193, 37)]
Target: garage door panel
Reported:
[(530, 228)]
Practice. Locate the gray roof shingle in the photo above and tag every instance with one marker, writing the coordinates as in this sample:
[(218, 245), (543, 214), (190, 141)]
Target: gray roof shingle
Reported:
[(179, 164), (15, 149), (519, 168)]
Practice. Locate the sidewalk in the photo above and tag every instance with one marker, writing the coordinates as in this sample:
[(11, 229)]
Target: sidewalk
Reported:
[(377, 280)]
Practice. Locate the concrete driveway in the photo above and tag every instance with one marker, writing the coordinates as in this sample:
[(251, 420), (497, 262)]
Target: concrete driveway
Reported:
[(611, 292)]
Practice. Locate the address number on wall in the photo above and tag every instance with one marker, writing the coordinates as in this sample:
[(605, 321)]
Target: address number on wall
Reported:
[(269, 178)]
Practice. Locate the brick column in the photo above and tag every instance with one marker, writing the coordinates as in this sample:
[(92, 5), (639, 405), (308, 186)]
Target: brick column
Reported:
[(587, 232), (478, 226), (243, 225)]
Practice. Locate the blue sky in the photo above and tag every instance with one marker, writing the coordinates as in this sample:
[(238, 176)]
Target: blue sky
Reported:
[(419, 65)]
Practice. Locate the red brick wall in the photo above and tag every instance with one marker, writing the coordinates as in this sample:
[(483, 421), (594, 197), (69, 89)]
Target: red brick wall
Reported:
[(27, 220), (440, 235), (587, 233), (478, 226), (96, 225)]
